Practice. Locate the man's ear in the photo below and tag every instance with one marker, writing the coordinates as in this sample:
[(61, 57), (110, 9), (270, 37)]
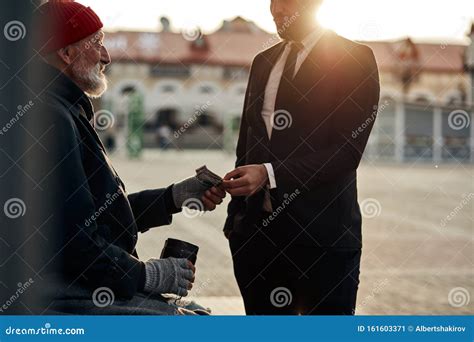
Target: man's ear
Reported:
[(67, 54)]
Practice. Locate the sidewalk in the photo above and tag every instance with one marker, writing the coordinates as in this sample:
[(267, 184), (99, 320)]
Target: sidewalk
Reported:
[(416, 254)]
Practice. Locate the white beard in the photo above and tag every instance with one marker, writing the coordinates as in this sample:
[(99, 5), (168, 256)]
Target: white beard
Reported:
[(92, 81)]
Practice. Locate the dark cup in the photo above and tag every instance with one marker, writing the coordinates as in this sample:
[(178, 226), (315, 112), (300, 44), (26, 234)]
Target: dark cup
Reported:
[(180, 249)]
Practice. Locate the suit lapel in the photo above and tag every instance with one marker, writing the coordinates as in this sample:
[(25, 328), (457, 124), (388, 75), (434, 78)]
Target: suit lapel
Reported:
[(266, 63), (314, 65)]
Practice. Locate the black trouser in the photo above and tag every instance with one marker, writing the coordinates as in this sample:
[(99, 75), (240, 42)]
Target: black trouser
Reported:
[(291, 279)]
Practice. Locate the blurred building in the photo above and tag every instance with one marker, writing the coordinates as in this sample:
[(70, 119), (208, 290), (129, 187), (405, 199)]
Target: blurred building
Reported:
[(194, 84), (470, 62)]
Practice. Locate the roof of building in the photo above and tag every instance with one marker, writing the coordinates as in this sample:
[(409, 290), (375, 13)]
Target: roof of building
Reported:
[(431, 57), (238, 40)]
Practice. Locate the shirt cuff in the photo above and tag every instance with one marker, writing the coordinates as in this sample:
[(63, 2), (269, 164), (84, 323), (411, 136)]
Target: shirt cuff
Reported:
[(271, 175)]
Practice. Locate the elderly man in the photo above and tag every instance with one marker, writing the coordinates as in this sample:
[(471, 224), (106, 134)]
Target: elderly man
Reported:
[(85, 200)]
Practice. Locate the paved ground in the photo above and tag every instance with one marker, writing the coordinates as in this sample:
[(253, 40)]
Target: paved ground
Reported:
[(418, 251)]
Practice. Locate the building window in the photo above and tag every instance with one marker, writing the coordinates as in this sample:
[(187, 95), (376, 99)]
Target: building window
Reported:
[(205, 120), (422, 100), (168, 88), (454, 101), (206, 90), (128, 89), (170, 71), (236, 73)]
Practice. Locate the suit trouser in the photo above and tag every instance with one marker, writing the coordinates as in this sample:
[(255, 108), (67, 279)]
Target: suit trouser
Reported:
[(292, 279)]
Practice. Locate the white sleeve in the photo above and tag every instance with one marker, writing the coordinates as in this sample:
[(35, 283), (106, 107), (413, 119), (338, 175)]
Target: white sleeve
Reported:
[(271, 175)]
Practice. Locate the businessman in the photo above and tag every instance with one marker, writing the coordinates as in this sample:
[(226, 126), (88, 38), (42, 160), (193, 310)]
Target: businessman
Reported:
[(294, 224)]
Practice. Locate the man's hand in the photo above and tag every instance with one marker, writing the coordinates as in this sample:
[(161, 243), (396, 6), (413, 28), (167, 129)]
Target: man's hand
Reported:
[(213, 197), (169, 275), (245, 180), (191, 189)]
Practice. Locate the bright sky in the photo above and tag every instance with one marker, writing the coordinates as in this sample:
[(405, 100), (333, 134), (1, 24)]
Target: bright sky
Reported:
[(425, 20)]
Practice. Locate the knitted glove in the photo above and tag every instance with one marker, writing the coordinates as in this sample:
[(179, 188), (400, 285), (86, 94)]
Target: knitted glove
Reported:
[(188, 192), (168, 275)]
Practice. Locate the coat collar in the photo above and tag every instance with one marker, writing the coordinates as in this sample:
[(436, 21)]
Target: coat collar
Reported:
[(57, 84), (266, 61), (312, 38)]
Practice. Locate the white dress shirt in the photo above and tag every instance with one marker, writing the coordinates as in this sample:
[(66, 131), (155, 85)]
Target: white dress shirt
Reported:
[(271, 91)]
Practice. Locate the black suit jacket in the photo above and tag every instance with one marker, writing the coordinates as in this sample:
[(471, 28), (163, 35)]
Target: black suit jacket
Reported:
[(335, 92)]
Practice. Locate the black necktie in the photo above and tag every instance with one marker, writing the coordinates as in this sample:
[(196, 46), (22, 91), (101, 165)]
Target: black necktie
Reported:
[(286, 86), (290, 65)]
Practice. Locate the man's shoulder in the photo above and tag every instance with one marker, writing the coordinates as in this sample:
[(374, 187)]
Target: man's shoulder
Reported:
[(334, 45), (345, 42), (338, 46), (54, 111), (269, 51)]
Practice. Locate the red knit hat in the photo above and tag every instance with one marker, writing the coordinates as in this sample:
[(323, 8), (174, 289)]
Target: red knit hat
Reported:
[(64, 22)]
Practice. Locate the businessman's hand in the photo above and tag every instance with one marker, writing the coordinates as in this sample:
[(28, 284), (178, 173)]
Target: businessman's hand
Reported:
[(213, 197), (245, 180)]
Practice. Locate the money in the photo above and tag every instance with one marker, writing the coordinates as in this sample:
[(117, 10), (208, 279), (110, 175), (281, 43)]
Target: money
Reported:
[(208, 177)]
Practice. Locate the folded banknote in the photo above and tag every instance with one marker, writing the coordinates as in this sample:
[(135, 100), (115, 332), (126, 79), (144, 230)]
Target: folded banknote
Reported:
[(208, 177)]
